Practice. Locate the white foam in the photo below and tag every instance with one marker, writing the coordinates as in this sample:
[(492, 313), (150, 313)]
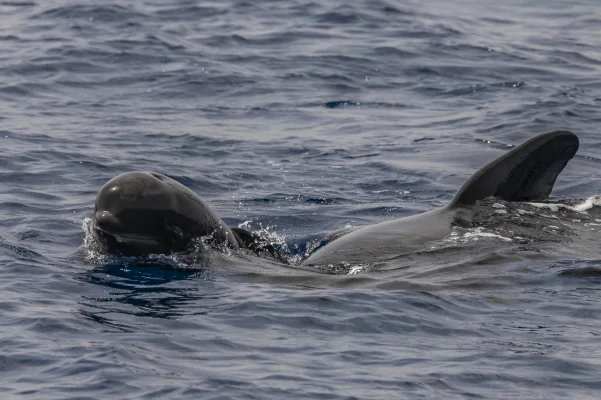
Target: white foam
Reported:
[(357, 269), (586, 205), (474, 234), (478, 232), (525, 212), (92, 253)]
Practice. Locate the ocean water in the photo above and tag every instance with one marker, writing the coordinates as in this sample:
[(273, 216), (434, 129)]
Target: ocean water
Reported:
[(295, 118)]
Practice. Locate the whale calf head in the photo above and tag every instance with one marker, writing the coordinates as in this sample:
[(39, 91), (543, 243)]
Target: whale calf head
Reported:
[(138, 213)]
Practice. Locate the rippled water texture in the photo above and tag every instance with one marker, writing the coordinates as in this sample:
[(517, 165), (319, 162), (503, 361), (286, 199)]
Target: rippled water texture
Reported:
[(298, 118)]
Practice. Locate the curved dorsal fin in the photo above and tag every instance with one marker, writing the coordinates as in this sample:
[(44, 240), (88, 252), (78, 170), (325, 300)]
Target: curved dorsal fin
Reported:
[(525, 173)]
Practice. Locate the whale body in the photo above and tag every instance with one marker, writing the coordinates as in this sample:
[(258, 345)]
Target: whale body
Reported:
[(140, 213), (525, 173)]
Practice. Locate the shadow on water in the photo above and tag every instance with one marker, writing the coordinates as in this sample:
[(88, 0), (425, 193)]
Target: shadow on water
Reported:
[(139, 275), (124, 290)]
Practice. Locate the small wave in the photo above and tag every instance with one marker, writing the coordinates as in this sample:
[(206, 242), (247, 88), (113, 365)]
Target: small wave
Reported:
[(109, 13), (582, 207), (464, 236), (582, 272)]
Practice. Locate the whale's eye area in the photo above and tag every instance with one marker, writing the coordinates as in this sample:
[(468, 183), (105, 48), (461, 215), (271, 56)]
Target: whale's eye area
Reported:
[(134, 203), (138, 213)]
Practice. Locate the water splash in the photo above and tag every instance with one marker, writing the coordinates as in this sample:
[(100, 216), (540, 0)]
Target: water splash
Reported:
[(582, 207), (91, 247)]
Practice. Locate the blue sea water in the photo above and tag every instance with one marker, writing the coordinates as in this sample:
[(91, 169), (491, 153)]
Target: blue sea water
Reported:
[(296, 118)]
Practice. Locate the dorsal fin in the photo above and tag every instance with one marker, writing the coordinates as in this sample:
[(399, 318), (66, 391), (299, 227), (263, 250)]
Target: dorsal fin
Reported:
[(525, 173)]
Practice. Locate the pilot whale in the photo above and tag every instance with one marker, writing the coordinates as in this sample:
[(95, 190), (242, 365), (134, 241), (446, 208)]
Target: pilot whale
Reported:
[(140, 213), (525, 173)]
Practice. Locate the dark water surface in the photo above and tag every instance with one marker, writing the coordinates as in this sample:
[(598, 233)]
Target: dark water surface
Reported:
[(298, 118)]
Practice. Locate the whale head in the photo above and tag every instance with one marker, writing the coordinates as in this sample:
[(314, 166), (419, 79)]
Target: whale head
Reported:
[(138, 213)]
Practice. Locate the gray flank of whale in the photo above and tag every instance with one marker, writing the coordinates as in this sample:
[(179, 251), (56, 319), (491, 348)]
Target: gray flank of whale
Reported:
[(525, 173)]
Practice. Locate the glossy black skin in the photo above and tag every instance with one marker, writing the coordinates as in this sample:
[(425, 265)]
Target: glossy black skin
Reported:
[(140, 213)]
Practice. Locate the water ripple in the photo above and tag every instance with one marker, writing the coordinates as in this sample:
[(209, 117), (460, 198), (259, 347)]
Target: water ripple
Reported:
[(296, 119)]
